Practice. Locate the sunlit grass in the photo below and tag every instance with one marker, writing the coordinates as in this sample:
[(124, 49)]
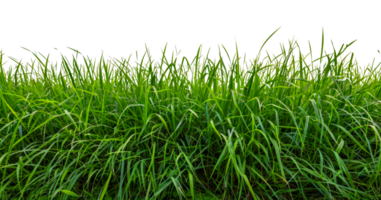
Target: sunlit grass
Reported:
[(283, 127)]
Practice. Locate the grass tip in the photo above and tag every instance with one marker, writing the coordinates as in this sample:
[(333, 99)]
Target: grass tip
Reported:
[(235, 36), (101, 48)]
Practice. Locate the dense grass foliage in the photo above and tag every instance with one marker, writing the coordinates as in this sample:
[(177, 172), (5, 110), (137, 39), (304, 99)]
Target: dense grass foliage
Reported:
[(282, 127)]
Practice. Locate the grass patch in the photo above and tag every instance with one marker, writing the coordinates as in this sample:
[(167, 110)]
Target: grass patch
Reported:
[(283, 127)]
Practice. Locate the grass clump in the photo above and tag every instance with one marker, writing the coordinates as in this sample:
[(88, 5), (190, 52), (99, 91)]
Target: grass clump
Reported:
[(283, 127)]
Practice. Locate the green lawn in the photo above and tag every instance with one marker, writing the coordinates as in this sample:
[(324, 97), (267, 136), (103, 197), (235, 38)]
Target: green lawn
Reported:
[(283, 127)]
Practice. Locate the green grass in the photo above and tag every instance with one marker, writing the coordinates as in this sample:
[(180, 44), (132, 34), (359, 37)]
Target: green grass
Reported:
[(283, 127)]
